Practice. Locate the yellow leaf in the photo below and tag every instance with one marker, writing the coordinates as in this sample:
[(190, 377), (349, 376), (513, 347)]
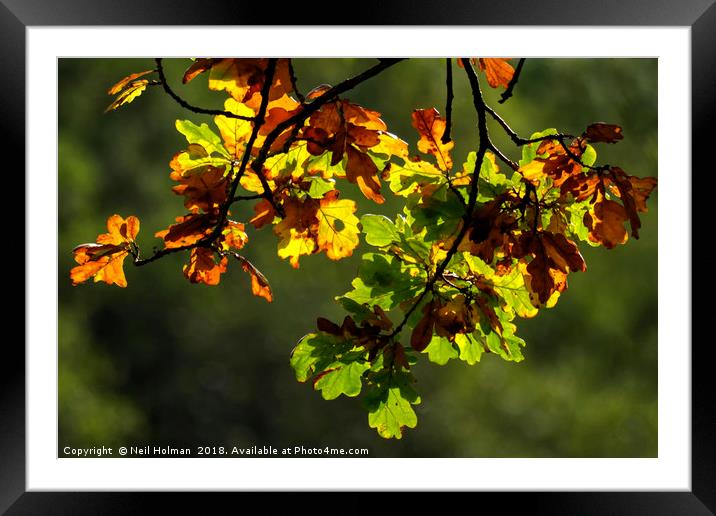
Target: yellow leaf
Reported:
[(295, 243), (337, 226), (235, 132), (134, 90), (119, 86)]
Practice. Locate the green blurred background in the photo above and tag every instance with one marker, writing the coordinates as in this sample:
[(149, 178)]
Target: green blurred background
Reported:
[(166, 362)]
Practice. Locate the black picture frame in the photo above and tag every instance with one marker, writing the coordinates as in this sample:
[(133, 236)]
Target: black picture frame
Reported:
[(699, 15)]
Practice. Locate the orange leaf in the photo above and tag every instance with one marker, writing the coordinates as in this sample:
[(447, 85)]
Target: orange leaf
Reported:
[(259, 284), (104, 260), (234, 235), (119, 86), (188, 230), (497, 70), (264, 214), (361, 170), (204, 191), (431, 127), (203, 268)]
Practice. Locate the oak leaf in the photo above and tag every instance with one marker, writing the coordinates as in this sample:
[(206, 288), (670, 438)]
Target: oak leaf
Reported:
[(603, 133), (337, 226), (605, 221), (497, 70), (203, 267), (204, 191), (431, 127), (128, 88), (104, 259), (259, 284), (188, 230)]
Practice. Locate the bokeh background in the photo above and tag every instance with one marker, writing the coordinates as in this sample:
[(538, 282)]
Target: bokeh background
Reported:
[(166, 362)]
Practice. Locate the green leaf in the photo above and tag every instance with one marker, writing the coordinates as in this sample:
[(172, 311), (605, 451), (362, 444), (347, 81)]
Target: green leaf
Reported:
[(314, 353), (341, 378), (319, 186), (508, 345), (438, 218), (411, 175), (576, 226), (470, 348), (529, 152), (389, 405), (385, 281), (515, 298), (589, 156), (195, 160), (201, 135), (491, 182), (322, 165), (379, 230), (440, 350), (291, 163)]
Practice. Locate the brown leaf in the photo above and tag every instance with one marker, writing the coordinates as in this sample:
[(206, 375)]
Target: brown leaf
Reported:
[(563, 253), (603, 133), (423, 332), (455, 316), (605, 221), (633, 192), (198, 67)]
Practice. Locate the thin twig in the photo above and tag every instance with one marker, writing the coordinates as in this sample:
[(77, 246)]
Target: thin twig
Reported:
[(183, 103), (515, 77), (448, 102), (294, 82), (247, 197)]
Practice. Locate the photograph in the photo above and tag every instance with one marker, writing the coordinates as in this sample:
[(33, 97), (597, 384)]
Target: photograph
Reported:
[(276, 257)]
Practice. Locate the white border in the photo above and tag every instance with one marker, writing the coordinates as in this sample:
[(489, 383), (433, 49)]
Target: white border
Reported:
[(670, 471)]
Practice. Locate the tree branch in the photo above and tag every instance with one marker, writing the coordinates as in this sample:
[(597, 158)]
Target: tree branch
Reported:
[(183, 103), (484, 144), (257, 164), (515, 77)]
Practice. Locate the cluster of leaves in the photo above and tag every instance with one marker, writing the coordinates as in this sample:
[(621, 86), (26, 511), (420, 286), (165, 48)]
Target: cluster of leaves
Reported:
[(474, 248)]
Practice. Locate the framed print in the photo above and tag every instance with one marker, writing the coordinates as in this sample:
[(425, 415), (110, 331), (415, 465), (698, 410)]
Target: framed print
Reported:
[(189, 383)]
